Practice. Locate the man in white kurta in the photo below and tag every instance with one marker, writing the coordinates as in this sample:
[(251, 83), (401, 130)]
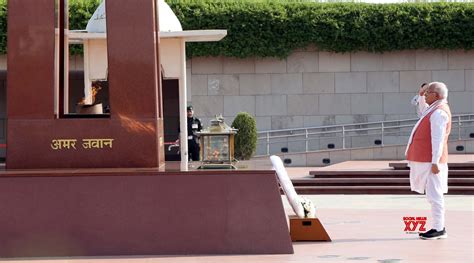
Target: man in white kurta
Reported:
[(432, 177)]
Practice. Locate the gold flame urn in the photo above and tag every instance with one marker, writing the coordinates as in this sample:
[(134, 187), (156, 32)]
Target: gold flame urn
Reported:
[(217, 145)]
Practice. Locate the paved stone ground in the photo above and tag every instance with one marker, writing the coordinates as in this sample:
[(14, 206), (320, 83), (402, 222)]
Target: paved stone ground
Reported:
[(364, 228), (373, 165)]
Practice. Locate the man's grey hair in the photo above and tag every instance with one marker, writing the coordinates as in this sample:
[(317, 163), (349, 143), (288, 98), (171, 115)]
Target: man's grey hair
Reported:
[(440, 88)]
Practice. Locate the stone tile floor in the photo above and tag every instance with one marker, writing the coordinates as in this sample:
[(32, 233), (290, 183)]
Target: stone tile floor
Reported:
[(364, 228)]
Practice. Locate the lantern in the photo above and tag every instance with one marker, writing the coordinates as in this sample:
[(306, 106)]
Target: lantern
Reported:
[(217, 145)]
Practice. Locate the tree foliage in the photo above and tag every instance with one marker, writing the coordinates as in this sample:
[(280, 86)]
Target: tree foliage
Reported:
[(80, 11)]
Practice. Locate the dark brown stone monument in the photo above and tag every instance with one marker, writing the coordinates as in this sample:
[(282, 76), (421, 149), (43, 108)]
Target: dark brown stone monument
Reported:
[(131, 136), (53, 204)]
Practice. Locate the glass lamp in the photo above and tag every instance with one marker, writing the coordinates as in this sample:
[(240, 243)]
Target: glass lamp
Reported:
[(217, 145)]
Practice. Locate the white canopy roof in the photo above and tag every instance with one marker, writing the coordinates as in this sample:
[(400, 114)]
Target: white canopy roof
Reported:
[(76, 36)]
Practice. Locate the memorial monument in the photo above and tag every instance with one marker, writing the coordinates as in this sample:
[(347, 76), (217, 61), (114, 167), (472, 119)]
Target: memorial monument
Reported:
[(95, 184), (40, 132)]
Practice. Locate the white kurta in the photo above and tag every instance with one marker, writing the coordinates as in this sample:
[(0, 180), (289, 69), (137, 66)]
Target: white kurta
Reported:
[(421, 177), (419, 106), (420, 172)]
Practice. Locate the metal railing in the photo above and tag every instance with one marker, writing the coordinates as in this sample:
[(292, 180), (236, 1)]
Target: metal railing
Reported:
[(383, 133), (375, 134)]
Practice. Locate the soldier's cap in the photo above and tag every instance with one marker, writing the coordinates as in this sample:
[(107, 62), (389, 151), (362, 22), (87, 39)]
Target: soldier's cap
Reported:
[(190, 108)]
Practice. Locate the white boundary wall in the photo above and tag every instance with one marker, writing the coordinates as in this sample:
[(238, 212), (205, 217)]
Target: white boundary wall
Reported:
[(312, 88)]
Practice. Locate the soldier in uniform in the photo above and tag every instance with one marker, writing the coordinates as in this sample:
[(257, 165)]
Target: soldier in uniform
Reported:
[(194, 125)]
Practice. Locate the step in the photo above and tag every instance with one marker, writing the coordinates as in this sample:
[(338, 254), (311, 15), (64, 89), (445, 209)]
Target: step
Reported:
[(452, 166), (371, 181), (382, 174), (453, 190)]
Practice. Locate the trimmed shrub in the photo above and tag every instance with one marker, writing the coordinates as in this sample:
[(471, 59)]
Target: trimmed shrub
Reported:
[(246, 137)]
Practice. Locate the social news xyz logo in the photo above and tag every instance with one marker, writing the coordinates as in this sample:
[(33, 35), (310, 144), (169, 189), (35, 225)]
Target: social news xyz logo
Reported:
[(414, 223)]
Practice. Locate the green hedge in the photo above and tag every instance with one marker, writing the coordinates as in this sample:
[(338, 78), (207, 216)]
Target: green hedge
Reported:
[(275, 28), (261, 28)]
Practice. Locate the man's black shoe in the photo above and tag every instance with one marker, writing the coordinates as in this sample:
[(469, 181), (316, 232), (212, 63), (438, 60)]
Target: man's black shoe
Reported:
[(434, 234), (429, 232)]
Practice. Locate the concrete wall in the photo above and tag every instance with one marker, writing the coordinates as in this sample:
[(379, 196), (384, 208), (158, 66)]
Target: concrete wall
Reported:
[(313, 88), (395, 152)]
